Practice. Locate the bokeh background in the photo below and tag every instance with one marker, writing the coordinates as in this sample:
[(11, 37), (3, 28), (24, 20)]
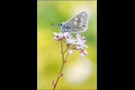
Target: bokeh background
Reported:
[(78, 73)]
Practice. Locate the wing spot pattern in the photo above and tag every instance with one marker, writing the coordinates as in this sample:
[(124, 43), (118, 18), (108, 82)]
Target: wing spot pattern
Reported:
[(75, 23), (76, 18)]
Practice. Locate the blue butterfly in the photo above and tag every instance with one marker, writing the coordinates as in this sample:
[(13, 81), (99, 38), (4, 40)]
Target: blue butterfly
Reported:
[(77, 24)]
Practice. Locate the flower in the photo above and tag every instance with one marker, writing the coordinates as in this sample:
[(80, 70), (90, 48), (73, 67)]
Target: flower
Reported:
[(77, 41), (83, 38), (81, 43), (67, 35), (78, 35), (61, 35), (70, 41), (71, 51)]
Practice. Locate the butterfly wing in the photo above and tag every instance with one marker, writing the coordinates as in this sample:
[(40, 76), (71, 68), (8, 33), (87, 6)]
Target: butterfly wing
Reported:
[(78, 23)]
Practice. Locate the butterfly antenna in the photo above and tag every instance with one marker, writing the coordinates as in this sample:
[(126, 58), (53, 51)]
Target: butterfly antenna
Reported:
[(54, 24)]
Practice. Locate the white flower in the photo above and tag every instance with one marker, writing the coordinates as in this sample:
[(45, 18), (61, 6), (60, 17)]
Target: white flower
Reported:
[(81, 42), (61, 35), (70, 41), (78, 36), (85, 52), (82, 38), (67, 35), (71, 51), (81, 54)]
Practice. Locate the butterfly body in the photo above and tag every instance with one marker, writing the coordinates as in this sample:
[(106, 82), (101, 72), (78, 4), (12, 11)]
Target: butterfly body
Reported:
[(77, 24)]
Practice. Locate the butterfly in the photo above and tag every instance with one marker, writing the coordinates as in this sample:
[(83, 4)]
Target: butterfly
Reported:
[(77, 24)]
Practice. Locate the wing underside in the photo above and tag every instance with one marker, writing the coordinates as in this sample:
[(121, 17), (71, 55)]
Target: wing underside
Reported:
[(78, 23)]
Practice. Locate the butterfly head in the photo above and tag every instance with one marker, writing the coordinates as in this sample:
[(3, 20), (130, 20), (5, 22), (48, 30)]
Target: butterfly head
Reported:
[(60, 24)]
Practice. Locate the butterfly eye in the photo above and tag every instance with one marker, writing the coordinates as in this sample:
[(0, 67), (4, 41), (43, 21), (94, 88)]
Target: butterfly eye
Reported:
[(60, 24)]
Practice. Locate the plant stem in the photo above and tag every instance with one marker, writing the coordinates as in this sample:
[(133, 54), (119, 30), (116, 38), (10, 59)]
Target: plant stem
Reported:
[(66, 56), (66, 49), (62, 51), (68, 53), (61, 66), (58, 76), (62, 63)]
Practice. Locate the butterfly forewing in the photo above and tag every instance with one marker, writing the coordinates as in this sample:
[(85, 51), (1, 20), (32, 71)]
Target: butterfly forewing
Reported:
[(78, 23)]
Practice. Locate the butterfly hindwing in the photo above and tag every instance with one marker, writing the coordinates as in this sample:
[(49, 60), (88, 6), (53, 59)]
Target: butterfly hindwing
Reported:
[(78, 23)]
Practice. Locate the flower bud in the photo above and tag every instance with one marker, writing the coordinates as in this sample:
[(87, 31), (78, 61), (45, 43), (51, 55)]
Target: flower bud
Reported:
[(56, 38), (53, 83), (64, 61), (85, 52), (78, 35), (60, 75), (82, 37), (81, 54), (55, 34), (78, 47), (71, 51)]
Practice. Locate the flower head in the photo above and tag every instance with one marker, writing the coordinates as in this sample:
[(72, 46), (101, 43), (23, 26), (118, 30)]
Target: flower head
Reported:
[(78, 42)]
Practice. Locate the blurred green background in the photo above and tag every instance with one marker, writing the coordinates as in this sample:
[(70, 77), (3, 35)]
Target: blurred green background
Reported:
[(78, 73)]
